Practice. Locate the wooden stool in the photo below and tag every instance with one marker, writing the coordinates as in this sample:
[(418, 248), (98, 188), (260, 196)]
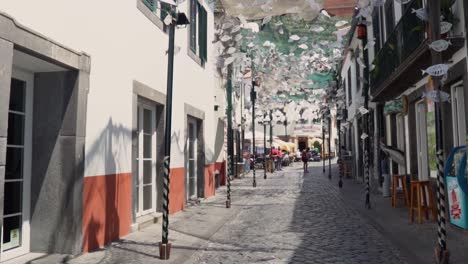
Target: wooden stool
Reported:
[(423, 191), (396, 179), (347, 170)]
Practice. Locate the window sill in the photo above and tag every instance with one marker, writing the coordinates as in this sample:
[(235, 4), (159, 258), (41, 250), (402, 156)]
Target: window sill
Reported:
[(150, 15), (195, 57)]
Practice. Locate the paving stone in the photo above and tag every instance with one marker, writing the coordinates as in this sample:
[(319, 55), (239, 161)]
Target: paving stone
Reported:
[(299, 219)]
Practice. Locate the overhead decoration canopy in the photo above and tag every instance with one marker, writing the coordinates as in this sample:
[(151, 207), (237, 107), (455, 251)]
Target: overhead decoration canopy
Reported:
[(259, 9), (294, 48)]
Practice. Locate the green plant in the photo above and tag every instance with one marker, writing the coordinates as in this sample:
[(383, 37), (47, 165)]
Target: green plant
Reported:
[(318, 146)]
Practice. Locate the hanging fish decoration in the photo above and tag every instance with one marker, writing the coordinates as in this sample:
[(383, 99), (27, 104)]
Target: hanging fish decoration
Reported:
[(236, 29), (436, 70), (421, 13), (168, 20), (303, 46), (371, 43), (341, 23), (266, 20), (226, 38), (363, 110), (440, 45), (294, 38), (227, 25), (361, 62), (231, 50), (228, 61), (316, 28), (445, 27), (434, 96), (267, 43)]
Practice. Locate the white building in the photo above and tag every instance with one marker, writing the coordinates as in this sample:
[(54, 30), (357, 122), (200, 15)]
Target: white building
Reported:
[(83, 132)]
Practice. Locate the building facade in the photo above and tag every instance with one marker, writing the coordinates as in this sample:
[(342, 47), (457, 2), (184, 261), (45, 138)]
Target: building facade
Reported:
[(402, 116), (82, 133)]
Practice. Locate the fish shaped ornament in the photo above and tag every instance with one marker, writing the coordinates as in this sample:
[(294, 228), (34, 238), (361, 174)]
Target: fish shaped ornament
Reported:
[(229, 60), (168, 20), (361, 62), (421, 13), (294, 38), (231, 50), (436, 70), (364, 136), (236, 28), (434, 96), (371, 43), (226, 38), (341, 23), (440, 45), (363, 110), (445, 27), (266, 20), (316, 28), (303, 46)]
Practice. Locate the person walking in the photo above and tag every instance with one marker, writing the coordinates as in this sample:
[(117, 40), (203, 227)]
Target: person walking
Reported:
[(305, 159), (274, 157), (280, 159)]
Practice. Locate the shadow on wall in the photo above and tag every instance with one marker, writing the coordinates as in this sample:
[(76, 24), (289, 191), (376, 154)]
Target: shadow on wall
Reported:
[(212, 156), (107, 198)]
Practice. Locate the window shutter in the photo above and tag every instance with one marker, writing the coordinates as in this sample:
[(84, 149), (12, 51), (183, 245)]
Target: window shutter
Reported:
[(202, 35), (150, 4), (390, 17), (165, 10), (193, 25), (376, 29)]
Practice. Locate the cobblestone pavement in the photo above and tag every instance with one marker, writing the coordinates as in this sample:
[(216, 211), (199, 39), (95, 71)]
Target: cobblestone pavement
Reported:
[(292, 218)]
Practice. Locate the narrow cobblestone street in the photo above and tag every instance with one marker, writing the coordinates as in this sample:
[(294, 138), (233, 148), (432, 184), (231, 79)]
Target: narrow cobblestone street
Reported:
[(290, 218)]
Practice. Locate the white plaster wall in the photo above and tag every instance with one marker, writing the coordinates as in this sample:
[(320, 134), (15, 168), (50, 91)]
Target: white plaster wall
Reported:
[(124, 46)]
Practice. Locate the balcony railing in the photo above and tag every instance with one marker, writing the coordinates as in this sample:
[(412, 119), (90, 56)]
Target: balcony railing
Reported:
[(407, 36)]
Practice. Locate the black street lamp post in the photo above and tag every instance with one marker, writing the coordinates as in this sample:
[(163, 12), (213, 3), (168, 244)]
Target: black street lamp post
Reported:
[(253, 96), (329, 147), (441, 251), (323, 141), (264, 147), (179, 20), (230, 146), (362, 35)]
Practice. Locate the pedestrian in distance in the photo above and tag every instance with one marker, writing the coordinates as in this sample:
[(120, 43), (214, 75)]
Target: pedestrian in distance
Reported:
[(305, 159), (274, 156), (279, 159)]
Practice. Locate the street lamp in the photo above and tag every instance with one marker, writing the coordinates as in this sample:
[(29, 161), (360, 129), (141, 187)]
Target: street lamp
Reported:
[(253, 96), (266, 121), (362, 35), (179, 19), (230, 143), (329, 146), (323, 141)]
